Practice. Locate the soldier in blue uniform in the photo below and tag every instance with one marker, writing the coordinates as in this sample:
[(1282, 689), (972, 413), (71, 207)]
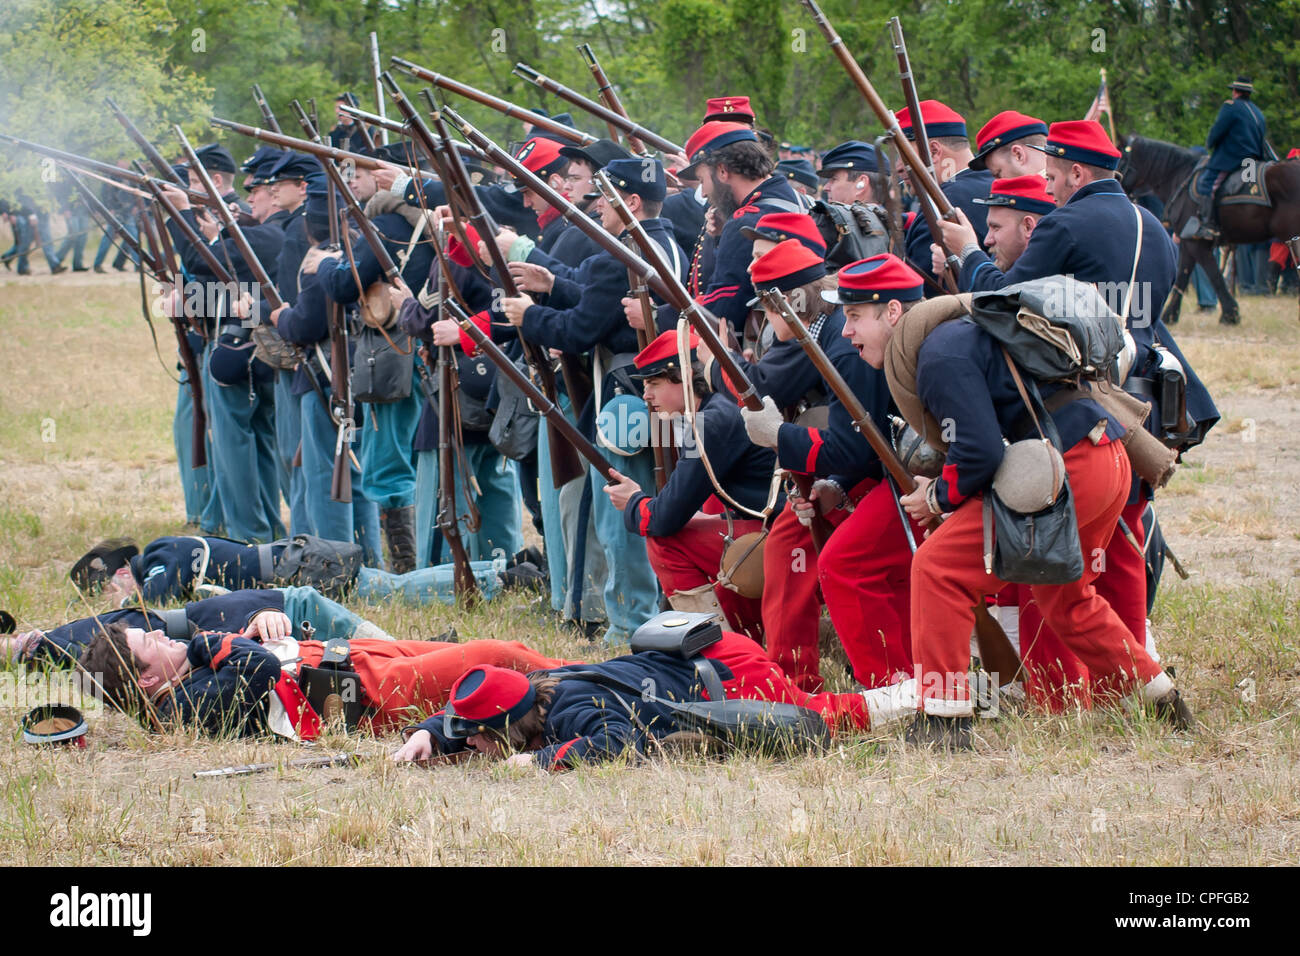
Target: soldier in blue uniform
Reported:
[(565, 717), (803, 179), (584, 314), (685, 547), (847, 169), (1007, 145), (245, 681), (287, 182), (1239, 133), (386, 430), (238, 389), (305, 323), (500, 531), (738, 177), (1092, 236), (950, 155), (173, 567), (830, 449)]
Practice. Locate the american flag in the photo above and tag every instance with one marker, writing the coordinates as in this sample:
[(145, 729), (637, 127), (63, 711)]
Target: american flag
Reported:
[(1101, 104)]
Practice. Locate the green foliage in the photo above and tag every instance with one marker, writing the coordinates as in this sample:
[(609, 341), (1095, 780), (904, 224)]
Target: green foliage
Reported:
[(1168, 61), (59, 58)]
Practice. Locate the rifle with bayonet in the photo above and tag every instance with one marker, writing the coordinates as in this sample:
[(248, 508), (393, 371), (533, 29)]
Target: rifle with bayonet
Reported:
[(997, 656), (598, 110), (493, 102), (565, 465), (267, 116)]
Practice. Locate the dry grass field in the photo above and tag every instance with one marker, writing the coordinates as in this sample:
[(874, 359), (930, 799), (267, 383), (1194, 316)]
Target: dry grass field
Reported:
[(85, 453)]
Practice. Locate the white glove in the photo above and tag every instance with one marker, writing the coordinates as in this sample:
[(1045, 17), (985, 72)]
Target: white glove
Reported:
[(762, 426)]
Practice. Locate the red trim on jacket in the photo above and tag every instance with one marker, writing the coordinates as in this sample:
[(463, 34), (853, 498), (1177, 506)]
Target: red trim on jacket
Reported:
[(810, 467), (219, 657), (644, 508), (559, 754), (955, 497)]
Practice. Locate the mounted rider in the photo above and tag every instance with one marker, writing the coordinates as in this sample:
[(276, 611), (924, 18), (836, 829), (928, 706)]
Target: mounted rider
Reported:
[(1239, 133)]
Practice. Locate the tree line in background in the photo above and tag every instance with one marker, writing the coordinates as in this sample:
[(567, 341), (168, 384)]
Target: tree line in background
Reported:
[(178, 61)]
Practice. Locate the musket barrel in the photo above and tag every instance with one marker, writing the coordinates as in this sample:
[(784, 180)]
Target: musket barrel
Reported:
[(269, 292), (883, 113), (494, 102), (319, 150), (598, 110)]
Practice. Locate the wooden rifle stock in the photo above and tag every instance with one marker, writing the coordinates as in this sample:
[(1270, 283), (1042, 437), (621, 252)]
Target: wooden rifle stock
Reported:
[(997, 655), (601, 112), (254, 264), (267, 116), (448, 450), (549, 409), (492, 102)]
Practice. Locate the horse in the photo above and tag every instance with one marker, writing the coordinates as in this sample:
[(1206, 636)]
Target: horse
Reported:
[(1166, 169)]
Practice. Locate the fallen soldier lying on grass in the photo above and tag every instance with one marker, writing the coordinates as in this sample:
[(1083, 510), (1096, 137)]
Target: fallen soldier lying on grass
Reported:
[(236, 612), (560, 717), (171, 568), (232, 683)]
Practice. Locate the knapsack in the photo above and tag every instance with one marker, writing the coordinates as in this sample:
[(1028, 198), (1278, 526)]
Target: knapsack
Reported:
[(850, 232), (1055, 328), (328, 566)]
